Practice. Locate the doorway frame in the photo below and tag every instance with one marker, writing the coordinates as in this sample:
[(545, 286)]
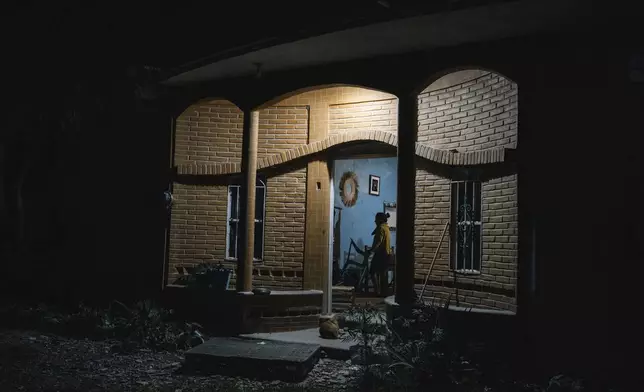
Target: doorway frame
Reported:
[(331, 158), (329, 298)]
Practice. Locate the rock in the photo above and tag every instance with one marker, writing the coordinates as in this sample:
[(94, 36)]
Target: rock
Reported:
[(196, 340), (329, 328)]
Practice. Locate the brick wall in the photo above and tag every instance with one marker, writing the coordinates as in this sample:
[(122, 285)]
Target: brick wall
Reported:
[(322, 104), (493, 287), (206, 125), (472, 115), (381, 115), (198, 227), (282, 128), (209, 131), (212, 132)]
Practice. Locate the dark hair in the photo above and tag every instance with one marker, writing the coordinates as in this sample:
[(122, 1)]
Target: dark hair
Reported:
[(382, 216)]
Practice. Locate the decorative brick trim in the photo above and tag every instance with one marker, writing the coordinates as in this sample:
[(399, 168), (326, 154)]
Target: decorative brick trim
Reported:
[(423, 150)]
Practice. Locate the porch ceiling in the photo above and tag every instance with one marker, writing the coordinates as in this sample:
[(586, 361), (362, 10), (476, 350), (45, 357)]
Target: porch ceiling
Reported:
[(471, 25)]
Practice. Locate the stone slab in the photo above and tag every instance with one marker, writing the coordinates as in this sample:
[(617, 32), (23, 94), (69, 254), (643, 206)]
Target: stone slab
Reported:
[(334, 348), (260, 359)]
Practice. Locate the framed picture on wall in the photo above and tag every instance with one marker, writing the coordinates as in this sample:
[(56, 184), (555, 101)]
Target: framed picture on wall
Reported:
[(374, 185)]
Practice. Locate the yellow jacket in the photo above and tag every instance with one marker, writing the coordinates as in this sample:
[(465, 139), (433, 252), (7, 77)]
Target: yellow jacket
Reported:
[(381, 239)]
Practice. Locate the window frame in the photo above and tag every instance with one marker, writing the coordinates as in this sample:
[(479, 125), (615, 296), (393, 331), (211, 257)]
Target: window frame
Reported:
[(260, 184), (477, 194)]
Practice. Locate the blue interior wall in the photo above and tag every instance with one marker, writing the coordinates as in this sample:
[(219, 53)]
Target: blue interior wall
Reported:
[(358, 220)]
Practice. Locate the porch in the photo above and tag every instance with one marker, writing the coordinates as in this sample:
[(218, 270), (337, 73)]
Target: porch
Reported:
[(283, 232), (256, 182)]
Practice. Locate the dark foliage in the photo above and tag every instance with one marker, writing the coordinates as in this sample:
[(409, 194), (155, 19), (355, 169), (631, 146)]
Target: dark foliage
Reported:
[(143, 325), (425, 352)]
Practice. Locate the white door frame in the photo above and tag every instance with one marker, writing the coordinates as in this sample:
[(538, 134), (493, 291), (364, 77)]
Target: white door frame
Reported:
[(329, 298)]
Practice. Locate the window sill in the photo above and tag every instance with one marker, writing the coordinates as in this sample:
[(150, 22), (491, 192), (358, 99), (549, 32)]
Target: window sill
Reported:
[(467, 272)]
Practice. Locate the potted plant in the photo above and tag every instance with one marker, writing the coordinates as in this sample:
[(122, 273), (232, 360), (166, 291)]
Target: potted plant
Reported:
[(211, 276)]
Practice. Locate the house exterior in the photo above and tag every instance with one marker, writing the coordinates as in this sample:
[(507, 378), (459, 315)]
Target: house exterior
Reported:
[(466, 112), (554, 196)]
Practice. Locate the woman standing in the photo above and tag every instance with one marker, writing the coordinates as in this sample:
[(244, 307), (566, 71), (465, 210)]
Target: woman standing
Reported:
[(381, 250)]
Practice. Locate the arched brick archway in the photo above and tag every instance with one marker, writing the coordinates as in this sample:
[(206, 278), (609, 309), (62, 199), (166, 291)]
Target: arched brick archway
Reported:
[(423, 151), (185, 101), (204, 123), (284, 96), (469, 110), (492, 68)]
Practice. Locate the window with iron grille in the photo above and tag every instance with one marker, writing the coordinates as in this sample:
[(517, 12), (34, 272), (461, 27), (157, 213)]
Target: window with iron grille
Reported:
[(232, 232), (465, 247)]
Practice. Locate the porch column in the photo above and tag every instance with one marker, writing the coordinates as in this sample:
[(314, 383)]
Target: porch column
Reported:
[(246, 239), (406, 195)]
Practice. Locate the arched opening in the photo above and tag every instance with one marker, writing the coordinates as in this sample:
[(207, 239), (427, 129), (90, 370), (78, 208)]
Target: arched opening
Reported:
[(338, 128), (469, 110), (301, 134)]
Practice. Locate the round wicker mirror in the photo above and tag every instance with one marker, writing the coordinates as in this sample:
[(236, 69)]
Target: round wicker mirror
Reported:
[(349, 189)]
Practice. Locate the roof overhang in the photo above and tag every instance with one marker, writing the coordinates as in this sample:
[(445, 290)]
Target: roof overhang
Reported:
[(421, 33)]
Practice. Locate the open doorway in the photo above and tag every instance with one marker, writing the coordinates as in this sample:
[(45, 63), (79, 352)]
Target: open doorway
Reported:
[(362, 187)]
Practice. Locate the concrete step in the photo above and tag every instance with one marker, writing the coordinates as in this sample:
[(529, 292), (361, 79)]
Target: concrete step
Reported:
[(260, 359), (334, 348)]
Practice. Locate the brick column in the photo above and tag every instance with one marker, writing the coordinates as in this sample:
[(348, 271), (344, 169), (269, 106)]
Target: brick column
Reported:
[(406, 203), (246, 240)]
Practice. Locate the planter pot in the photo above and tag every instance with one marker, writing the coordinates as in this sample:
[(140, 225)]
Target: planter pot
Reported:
[(217, 279), (261, 291)]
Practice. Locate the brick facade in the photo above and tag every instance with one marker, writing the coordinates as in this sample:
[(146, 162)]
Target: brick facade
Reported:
[(475, 114), (279, 129), (204, 126), (211, 132), (379, 115)]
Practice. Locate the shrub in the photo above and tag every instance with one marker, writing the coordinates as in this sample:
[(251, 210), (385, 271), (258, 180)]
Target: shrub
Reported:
[(143, 325), (423, 352)]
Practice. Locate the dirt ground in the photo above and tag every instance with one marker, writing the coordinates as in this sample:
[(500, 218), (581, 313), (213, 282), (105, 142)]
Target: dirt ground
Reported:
[(31, 361)]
